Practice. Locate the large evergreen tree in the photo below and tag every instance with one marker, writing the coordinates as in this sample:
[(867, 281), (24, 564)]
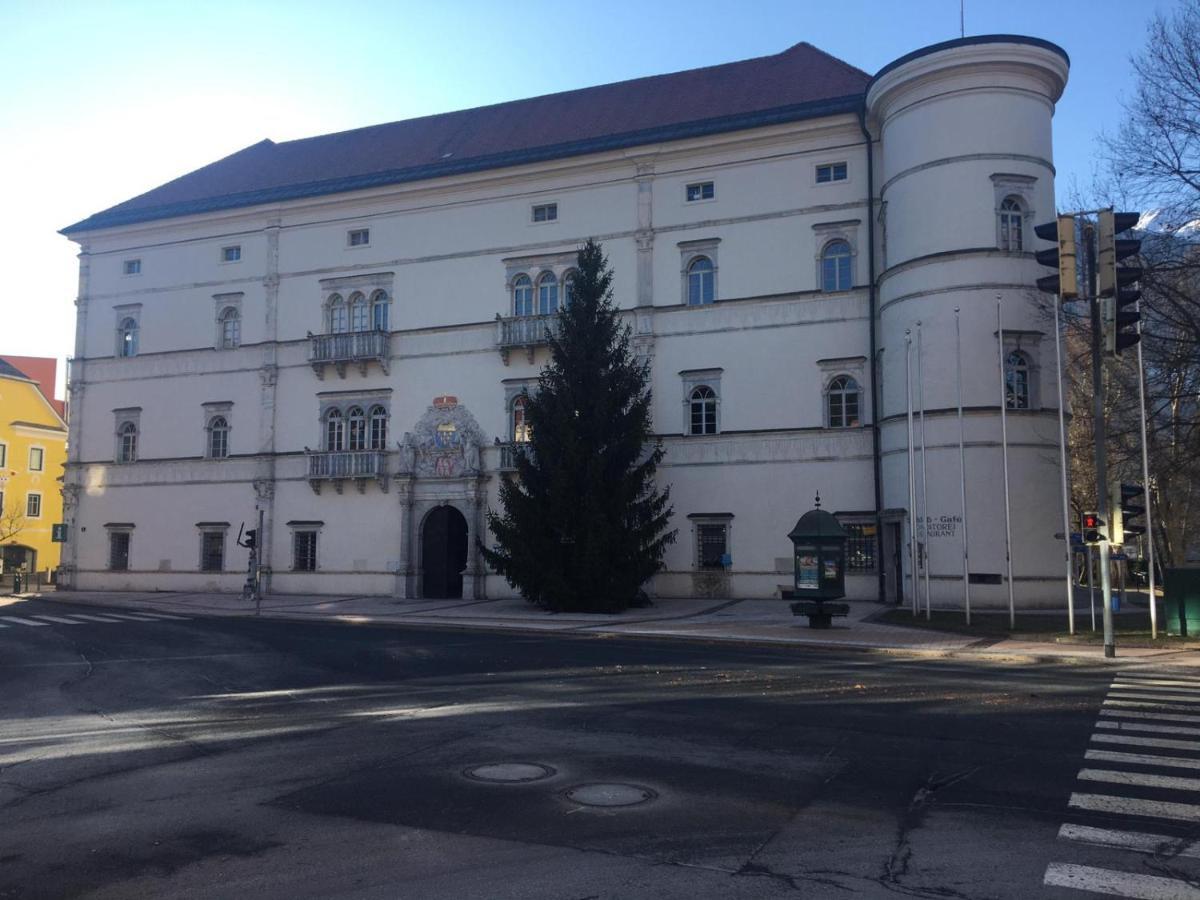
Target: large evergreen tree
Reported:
[(583, 525)]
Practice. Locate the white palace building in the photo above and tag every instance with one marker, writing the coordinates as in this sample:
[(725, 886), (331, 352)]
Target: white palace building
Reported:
[(339, 331)]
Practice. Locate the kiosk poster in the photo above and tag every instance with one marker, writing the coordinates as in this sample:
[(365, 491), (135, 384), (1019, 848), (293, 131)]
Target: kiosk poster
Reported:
[(808, 572), (831, 568)]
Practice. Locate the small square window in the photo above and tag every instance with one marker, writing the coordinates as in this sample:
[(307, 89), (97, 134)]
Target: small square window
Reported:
[(702, 190), (359, 237), (132, 267), (33, 506), (545, 212), (231, 254), (37, 459), (831, 172)]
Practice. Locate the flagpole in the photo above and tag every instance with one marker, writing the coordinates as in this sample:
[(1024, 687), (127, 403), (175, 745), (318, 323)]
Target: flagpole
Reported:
[(1012, 608), (924, 481), (912, 476), (1146, 483), (962, 467), (1062, 441)]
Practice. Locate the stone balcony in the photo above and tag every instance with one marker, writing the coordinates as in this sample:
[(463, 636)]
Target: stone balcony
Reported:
[(509, 453), (339, 466), (523, 332), (354, 347)]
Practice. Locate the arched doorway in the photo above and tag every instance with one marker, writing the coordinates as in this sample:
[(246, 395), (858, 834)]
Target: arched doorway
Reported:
[(443, 553)]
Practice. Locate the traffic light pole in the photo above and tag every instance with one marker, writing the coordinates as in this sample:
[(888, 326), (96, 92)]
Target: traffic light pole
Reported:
[(1146, 486), (1100, 436)]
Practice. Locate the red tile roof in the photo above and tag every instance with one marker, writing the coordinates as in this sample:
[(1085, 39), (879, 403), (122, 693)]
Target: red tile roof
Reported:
[(801, 82)]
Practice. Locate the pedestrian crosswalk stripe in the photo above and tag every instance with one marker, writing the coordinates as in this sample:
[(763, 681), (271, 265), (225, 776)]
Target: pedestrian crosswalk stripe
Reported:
[(1158, 698), (1141, 779), (1149, 716), (1121, 884), (44, 619), (158, 615), (1133, 740), (1150, 678), (1141, 726), (1142, 759), (1141, 704), (18, 620), (1156, 683), (130, 616), (95, 618), (1140, 841), (58, 619), (1130, 806)]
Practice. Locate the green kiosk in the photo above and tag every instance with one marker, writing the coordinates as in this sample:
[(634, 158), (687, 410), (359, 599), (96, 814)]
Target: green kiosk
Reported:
[(819, 554)]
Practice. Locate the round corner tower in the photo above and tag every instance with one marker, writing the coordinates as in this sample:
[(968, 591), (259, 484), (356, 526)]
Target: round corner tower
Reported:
[(964, 171)]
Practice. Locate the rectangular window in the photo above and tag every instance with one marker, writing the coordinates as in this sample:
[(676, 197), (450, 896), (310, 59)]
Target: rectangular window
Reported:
[(118, 551), (3, 455), (231, 254), (37, 459), (545, 212), (711, 545), (1, 504), (359, 237), (831, 172), (304, 551), (702, 190), (33, 506), (860, 548), (212, 551), (132, 267)]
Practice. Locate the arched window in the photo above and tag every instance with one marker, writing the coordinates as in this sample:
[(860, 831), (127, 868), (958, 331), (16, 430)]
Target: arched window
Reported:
[(523, 296), (547, 294), (379, 418), (700, 282), (1012, 236), (231, 328), (835, 267), (127, 441), (842, 402), (358, 313), (335, 431), (704, 410), (1016, 381), (128, 337), (379, 311), (358, 428), (218, 438), (569, 287), (520, 424), (339, 322)]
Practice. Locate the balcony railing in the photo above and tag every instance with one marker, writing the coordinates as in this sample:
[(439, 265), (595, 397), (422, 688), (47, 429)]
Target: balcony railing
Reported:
[(337, 466), (509, 453), (358, 347), (523, 331)]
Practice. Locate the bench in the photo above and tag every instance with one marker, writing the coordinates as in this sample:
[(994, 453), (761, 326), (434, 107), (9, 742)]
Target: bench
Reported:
[(820, 614)]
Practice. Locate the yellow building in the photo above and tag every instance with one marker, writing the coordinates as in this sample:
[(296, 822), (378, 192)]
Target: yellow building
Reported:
[(33, 451)]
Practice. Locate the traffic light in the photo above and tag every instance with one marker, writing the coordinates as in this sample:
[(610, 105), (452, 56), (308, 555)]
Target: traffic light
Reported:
[(1062, 232), (1116, 284), (1131, 507), (251, 540), (1092, 528)]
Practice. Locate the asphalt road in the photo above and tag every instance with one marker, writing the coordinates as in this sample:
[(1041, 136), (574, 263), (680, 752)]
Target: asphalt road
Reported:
[(177, 757)]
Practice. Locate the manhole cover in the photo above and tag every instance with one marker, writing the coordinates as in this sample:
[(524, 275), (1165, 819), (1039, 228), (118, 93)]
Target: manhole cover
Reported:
[(610, 794), (509, 773)]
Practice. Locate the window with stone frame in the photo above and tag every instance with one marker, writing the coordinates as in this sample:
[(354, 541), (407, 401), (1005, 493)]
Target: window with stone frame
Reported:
[(212, 550), (1016, 380), (304, 550), (356, 419), (218, 437), (119, 540), (703, 409), (712, 533), (379, 427), (522, 296), (127, 337), (836, 267), (127, 442), (1012, 225), (231, 328), (842, 403), (861, 543), (701, 282)]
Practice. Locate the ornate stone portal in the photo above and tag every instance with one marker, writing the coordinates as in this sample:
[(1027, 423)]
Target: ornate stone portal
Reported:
[(440, 465)]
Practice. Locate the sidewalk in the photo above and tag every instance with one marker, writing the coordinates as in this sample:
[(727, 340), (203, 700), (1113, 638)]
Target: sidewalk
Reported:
[(745, 621)]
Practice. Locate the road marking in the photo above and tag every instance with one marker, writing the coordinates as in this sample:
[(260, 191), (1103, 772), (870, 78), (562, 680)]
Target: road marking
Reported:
[(1158, 698), (158, 615), (58, 619), (1128, 806), (1140, 779), (1170, 744), (1121, 884), (1156, 682), (1140, 841), (1142, 759), (1158, 679), (1150, 716), (18, 620), (130, 616), (1138, 726), (1141, 704), (94, 618)]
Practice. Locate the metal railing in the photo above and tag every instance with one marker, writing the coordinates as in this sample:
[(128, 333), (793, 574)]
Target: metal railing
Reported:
[(354, 346), (509, 453), (347, 464)]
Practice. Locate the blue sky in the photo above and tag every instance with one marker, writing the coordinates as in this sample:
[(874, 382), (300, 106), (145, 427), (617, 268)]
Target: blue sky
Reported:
[(105, 99)]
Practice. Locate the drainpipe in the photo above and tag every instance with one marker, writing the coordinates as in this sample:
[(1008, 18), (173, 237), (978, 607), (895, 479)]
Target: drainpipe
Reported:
[(880, 564)]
